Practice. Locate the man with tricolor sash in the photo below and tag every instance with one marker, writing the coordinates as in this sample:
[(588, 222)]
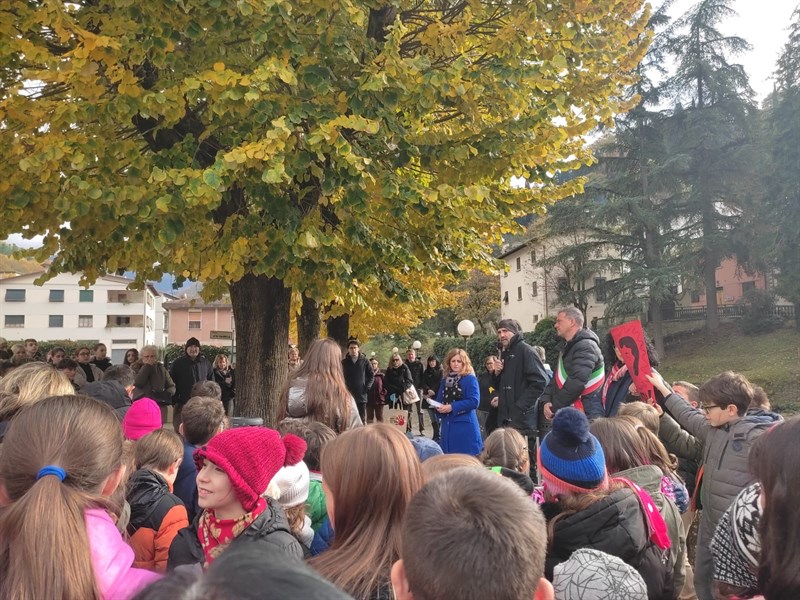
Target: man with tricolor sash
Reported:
[(579, 373)]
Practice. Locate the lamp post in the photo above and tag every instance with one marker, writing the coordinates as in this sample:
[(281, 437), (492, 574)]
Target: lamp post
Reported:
[(416, 346), (465, 329)]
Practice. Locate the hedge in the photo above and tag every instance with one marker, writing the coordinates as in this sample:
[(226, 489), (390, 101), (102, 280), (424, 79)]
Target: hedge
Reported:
[(481, 346)]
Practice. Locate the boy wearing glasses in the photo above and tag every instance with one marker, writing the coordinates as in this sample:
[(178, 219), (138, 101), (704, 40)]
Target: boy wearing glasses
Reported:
[(727, 432)]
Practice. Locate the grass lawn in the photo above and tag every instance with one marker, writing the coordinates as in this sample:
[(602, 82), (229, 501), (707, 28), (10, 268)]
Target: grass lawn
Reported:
[(771, 361)]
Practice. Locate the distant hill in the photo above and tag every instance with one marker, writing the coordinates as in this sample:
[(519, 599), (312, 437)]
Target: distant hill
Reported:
[(9, 264)]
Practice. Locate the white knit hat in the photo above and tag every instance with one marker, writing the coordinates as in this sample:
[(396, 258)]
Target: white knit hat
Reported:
[(593, 575), (293, 482)]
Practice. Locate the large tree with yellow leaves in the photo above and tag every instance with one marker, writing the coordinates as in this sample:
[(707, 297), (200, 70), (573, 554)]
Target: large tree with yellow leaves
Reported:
[(342, 149)]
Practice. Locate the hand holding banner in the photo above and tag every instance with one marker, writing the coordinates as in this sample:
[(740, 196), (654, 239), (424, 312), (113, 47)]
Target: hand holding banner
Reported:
[(629, 341)]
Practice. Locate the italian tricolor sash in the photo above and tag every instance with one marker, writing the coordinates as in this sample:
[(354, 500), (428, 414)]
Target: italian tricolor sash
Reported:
[(594, 383)]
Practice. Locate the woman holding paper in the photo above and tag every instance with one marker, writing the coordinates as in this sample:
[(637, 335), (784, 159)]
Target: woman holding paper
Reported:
[(456, 402)]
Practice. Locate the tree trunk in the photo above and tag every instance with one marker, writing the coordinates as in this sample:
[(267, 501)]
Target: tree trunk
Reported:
[(338, 328), (657, 320), (308, 324), (261, 310), (710, 260)]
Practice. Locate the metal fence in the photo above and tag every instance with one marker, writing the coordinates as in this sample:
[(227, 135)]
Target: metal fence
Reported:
[(680, 313)]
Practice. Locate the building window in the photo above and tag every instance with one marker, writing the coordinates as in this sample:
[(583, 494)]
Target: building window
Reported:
[(56, 295), (535, 318), (535, 289), (195, 318), (519, 263), (748, 286), (15, 295), (695, 297), (56, 321), (505, 298), (600, 292), (15, 321), (562, 285), (121, 321), (86, 296), (519, 293), (533, 257), (85, 321), (505, 273)]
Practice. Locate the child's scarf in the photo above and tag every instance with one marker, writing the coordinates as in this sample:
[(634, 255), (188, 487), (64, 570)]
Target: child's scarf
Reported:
[(216, 535)]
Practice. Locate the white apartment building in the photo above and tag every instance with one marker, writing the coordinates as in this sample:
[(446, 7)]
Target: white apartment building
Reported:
[(528, 291), (61, 309)]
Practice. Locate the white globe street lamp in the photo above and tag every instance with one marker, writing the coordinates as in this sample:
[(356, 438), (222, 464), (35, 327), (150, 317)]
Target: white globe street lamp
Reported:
[(465, 329), (416, 345)]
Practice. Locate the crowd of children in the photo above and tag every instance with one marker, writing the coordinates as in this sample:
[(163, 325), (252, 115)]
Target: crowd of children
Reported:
[(104, 504)]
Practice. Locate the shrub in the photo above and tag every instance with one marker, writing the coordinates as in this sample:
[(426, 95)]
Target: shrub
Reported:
[(758, 314)]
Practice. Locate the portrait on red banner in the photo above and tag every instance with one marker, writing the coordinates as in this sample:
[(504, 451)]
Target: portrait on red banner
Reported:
[(629, 339)]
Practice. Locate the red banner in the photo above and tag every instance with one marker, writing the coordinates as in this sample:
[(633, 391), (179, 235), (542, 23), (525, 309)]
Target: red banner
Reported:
[(629, 341)]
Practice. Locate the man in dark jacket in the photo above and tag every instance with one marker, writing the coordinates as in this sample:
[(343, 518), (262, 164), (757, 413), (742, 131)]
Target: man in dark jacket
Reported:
[(520, 380), (358, 376), (417, 369), (579, 374), (185, 372)]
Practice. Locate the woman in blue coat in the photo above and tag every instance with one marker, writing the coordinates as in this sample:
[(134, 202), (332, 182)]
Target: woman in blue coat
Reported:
[(459, 396)]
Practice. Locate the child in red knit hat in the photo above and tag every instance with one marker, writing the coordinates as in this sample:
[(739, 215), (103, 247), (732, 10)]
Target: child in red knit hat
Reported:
[(233, 472)]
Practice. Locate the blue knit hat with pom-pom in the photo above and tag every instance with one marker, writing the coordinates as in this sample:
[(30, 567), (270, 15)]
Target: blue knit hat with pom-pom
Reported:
[(571, 459)]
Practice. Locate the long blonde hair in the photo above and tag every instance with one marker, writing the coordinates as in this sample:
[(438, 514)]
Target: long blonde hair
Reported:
[(30, 383), (46, 516), (327, 396), (372, 473)]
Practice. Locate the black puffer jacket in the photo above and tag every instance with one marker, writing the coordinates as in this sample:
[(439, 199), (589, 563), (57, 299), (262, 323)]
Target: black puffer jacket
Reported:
[(271, 527), (616, 525), (519, 385), (581, 356)]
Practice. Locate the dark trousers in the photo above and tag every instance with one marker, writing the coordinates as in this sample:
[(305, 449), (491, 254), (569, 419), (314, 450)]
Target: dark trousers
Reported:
[(374, 413), (362, 411), (434, 415), (176, 416), (420, 417)]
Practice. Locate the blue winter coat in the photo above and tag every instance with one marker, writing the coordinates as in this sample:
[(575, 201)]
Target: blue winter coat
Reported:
[(460, 431)]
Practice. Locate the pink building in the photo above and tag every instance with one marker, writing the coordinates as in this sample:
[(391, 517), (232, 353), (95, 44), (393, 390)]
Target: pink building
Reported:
[(211, 323), (732, 284)]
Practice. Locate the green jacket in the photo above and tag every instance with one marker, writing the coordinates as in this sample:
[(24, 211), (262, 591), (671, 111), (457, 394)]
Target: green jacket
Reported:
[(316, 508)]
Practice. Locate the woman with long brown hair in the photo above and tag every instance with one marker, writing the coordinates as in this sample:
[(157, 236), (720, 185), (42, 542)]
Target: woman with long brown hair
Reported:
[(61, 460), (316, 390), (370, 476)]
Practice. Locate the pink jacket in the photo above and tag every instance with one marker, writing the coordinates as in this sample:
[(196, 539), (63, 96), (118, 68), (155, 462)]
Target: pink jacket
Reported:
[(112, 559)]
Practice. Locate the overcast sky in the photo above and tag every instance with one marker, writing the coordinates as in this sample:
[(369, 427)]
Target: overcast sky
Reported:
[(763, 23)]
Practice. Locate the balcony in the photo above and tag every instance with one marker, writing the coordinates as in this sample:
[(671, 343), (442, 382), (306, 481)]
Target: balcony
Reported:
[(124, 321), (125, 296)]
